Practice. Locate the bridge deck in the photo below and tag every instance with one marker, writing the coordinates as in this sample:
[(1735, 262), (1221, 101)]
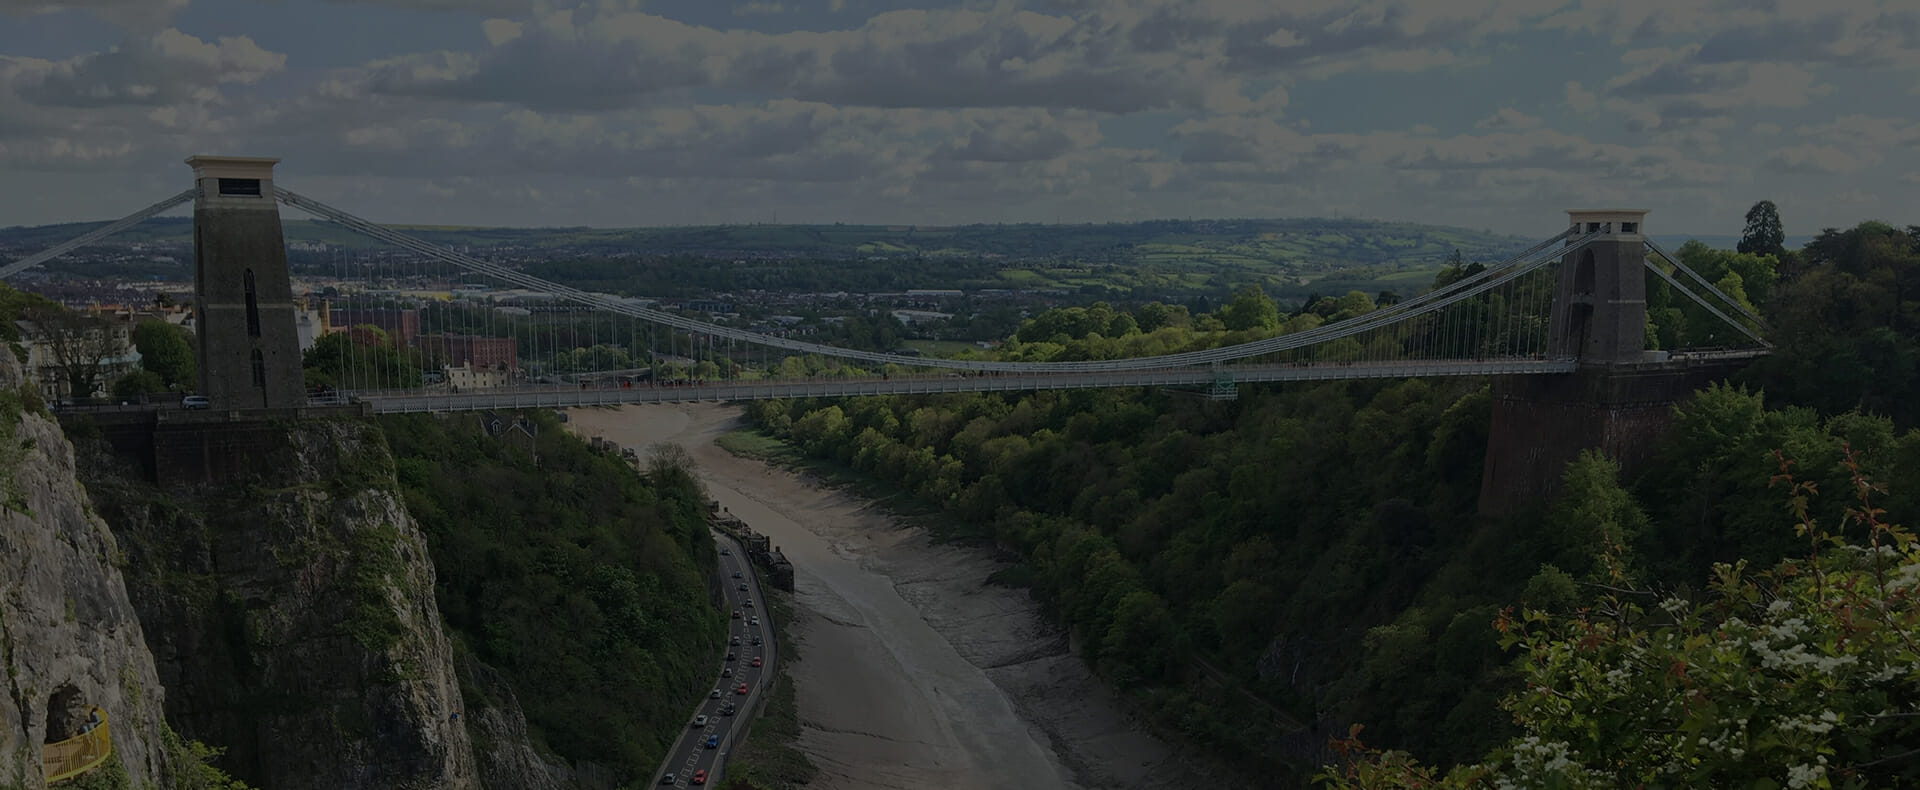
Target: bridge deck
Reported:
[(394, 402)]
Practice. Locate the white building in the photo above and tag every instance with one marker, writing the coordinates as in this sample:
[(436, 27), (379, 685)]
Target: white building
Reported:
[(467, 377), (112, 340)]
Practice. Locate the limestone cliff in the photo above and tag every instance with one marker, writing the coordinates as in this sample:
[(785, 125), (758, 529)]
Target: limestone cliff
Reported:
[(292, 617), (69, 638)]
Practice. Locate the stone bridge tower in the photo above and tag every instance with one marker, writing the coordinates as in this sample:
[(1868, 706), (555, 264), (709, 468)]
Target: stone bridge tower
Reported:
[(249, 350), (1600, 304), (1619, 400)]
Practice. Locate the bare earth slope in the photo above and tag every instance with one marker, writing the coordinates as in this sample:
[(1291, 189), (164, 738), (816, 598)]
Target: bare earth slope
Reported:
[(913, 672)]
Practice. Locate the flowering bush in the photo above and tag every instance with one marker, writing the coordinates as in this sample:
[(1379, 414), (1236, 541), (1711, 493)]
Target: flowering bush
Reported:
[(1806, 676)]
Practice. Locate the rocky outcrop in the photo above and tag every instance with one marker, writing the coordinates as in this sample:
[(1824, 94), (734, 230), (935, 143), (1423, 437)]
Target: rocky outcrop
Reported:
[(69, 638), (293, 619), (507, 758)]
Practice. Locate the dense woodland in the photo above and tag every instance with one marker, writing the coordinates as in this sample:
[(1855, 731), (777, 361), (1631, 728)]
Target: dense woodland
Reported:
[(586, 588), (1315, 548)]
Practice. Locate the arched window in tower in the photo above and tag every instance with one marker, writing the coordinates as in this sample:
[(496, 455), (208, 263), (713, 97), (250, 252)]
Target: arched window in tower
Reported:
[(253, 308), (259, 369), (1583, 274)]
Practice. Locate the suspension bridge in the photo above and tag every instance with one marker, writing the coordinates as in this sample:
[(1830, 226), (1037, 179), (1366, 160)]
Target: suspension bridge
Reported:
[(418, 336)]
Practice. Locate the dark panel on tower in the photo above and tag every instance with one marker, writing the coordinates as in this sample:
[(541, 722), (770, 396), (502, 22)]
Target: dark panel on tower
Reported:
[(243, 298)]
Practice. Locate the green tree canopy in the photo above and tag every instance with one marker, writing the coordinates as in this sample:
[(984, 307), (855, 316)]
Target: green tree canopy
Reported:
[(1250, 309), (1800, 677), (1763, 234), (166, 352)]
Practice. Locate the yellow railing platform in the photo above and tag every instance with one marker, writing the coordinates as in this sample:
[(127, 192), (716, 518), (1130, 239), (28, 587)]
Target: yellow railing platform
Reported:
[(78, 754)]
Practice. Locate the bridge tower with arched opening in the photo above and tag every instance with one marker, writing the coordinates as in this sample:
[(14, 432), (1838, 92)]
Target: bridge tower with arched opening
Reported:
[(1601, 299), (249, 348), (1620, 397)]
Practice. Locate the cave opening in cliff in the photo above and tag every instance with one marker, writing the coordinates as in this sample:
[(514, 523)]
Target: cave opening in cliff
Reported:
[(66, 713)]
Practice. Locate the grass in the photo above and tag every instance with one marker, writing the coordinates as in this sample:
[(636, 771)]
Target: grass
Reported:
[(748, 443)]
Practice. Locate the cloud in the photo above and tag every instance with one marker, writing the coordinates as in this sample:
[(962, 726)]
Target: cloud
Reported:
[(135, 15), (1864, 131), (759, 8), (165, 68), (1819, 160), (1508, 118), (1113, 56), (497, 7)]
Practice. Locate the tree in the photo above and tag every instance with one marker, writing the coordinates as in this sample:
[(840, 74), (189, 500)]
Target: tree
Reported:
[(1251, 309), (1763, 234), (80, 345), (133, 385), (1801, 677), (165, 351)]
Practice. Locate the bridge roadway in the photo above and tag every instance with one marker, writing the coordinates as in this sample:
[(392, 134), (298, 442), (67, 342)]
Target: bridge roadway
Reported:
[(690, 753), (548, 396)]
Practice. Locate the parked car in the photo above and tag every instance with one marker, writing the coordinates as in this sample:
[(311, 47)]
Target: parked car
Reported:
[(196, 402)]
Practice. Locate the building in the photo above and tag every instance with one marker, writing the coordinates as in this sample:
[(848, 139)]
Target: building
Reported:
[(311, 323), (402, 326), (499, 353), (467, 377), (104, 344)]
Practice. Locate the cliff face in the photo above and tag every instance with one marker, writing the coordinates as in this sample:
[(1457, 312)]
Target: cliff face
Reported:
[(293, 620), (69, 638)]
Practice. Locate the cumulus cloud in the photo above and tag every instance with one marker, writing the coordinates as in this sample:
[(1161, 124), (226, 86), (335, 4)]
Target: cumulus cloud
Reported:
[(1864, 131), (165, 68), (1508, 118), (1102, 55), (138, 15), (1819, 160)]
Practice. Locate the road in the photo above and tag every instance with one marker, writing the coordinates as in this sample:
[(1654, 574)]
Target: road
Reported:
[(690, 753)]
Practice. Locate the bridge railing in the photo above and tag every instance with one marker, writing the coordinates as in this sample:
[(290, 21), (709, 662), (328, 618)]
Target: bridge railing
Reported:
[(79, 754)]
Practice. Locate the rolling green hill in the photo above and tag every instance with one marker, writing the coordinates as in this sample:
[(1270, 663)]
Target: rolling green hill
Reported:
[(1303, 244)]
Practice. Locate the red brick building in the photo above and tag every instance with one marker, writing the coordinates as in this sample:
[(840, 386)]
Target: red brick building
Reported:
[(498, 353), (402, 326)]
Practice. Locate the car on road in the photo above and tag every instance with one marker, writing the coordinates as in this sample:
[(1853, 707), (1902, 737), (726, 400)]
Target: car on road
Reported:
[(727, 709), (756, 661), (713, 741), (740, 689), (754, 621), (700, 721), (202, 402), (700, 777), (736, 574), (668, 779), (730, 655), (716, 692), (726, 672), (736, 614), (724, 551), (733, 640), (743, 588), (756, 641)]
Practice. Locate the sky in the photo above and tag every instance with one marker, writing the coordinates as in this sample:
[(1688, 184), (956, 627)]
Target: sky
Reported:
[(1487, 114)]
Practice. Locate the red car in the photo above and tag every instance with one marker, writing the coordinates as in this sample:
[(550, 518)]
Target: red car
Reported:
[(736, 614), (756, 661), (740, 689), (699, 777)]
